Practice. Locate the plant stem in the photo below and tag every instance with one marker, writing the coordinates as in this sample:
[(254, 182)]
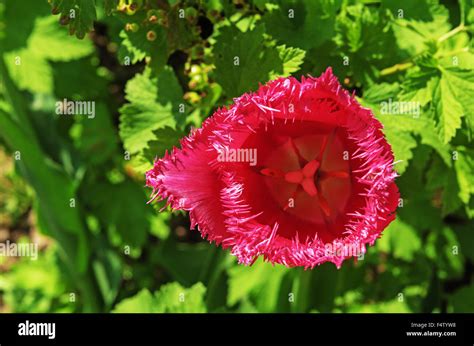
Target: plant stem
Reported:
[(396, 68), (451, 33)]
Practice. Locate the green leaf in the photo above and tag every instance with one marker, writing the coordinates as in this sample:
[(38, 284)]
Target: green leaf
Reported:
[(365, 52), (52, 42), (465, 235), (393, 306), (96, 138), (184, 262), (417, 23), (303, 23), (136, 47), (174, 298), (34, 285), (18, 28), (171, 298), (29, 67), (461, 300), (292, 58), (401, 240), (108, 272), (464, 165), (110, 6), (80, 14), (235, 53), (400, 129), (419, 86), (260, 281), (165, 139), (440, 179), (128, 221), (442, 247), (153, 104), (29, 71), (461, 86), (142, 302), (448, 109)]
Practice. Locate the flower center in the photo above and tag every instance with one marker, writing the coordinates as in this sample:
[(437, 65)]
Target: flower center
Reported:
[(309, 176), (302, 180)]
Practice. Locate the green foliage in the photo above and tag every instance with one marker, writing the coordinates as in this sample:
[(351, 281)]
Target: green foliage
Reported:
[(79, 15), (234, 49), (30, 67), (170, 298), (157, 69)]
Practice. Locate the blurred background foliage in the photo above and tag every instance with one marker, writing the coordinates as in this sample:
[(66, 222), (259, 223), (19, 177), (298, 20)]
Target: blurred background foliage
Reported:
[(156, 68)]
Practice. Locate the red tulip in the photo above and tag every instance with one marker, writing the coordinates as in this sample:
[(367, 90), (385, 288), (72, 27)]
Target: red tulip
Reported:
[(297, 172)]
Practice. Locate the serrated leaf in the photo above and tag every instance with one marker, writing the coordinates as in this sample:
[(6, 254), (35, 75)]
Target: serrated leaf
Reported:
[(448, 109), (292, 58), (81, 15), (420, 21), (400, 128), (153, 104), (461, 84), (136, 46), (235, 53), (419, 86), (365, 52), (165, 139)]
